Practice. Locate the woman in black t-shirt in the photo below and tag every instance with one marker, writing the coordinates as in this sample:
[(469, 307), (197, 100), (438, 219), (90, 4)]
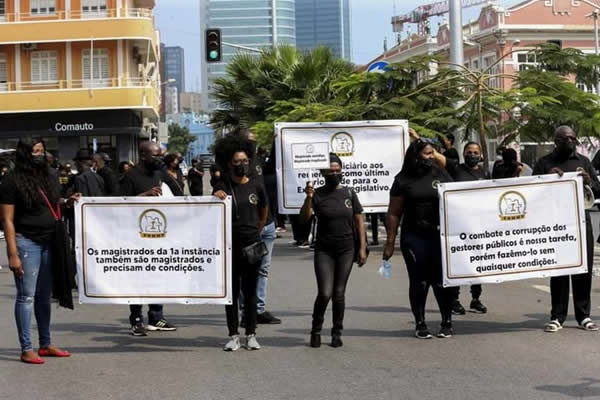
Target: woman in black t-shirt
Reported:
[(339, 222), (30, 205), (414, 199), (172, 176), (249, 213)]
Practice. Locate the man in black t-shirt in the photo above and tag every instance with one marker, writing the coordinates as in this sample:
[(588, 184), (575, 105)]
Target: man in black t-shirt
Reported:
[(145, 180), (195, 178), (111, 183), (471, 170), (87, 182)]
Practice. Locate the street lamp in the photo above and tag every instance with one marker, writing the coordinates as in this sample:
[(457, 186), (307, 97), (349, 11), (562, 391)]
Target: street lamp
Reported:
[(172, 80)]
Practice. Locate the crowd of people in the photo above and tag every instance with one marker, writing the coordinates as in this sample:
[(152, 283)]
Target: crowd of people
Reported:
[(37, 198)]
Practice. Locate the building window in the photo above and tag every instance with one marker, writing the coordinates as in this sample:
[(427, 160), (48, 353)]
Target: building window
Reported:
[(487, 63), (2, 8), (41, 7), (95, 74), (92, 8), (3, 72), (526, 61), (43, 67)]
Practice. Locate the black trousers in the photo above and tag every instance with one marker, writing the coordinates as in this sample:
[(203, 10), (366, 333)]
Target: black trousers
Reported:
[(476, 291), (155, 313), (244, 277), (332, 269), (423, 256), (375, 224), (582, 287), (300, 231)]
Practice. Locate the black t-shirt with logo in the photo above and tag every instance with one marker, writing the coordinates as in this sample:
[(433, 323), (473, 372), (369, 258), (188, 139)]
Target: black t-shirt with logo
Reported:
[(421, 201), (335, 210), (34, 222), (246, 200)]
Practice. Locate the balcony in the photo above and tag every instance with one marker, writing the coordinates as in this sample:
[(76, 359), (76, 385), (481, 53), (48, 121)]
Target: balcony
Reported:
[(77, 95), (76, 25)]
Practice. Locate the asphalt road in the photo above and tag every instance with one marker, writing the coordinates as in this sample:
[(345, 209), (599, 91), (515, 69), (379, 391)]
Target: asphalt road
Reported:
[(501, 355)]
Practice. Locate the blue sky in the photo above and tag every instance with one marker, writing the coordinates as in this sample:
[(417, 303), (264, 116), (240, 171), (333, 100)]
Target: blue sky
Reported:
[(178, 22)]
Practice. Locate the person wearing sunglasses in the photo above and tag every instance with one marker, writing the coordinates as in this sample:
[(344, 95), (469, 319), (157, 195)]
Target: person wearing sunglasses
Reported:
[(249, 214), (340, 222), (414, 201), (563, 159)]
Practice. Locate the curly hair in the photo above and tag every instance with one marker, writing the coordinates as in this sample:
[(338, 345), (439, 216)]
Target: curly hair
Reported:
[(169, 158), (410, 166), (29, 178), (227, 146)]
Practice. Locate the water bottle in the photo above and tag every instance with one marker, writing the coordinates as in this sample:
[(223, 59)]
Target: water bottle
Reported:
[(386, 269)]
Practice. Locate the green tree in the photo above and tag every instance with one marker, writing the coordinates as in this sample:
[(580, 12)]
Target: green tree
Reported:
[(180, 139)]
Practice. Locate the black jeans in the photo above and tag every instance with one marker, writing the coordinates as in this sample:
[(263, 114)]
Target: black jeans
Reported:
[(155, 313), (423, 256), (582, 287), (300, 231), (244, 277), (332, 269), (476, 291), (375, 224)]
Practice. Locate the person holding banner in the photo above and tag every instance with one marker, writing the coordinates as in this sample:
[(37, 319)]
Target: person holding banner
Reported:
[(249, 216), (340, 223), (37, 244), (563, 159), (414, 200), (145, 180), (470, 170)]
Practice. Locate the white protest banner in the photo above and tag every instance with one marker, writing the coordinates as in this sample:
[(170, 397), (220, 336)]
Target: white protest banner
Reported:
[(372, 153), (148, 250), (310, 155), (511, 229)]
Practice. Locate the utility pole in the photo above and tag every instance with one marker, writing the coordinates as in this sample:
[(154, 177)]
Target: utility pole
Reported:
[(456, 34)]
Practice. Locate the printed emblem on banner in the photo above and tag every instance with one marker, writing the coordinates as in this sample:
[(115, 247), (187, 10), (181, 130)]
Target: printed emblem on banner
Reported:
[(153, 224), (512, 206), (259, 170), (435, 184), (348, 203), (253, 199), (310, 149), (342, 144)]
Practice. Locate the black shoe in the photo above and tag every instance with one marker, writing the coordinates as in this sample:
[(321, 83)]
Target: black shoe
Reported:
[(423, 332), (457, 308), (375, 243), (477, 307), (161, 325), (336, 341), (315, 340), (445, 332), (267, 318), (138, 329)]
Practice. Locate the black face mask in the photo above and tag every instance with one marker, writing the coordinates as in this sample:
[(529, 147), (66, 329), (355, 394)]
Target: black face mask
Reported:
[(472, 161), (241, 170), (333, 180), (565, 149), (39, 161), (425, 165), (155, 164)]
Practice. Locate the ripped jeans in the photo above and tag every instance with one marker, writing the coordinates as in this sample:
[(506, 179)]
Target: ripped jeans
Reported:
[(33, 292)]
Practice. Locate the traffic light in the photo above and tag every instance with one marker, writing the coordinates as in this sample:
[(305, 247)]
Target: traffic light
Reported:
[(213, 45)]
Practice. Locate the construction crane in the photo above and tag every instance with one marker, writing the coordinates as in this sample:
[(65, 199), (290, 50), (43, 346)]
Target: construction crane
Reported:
[(421, 14)]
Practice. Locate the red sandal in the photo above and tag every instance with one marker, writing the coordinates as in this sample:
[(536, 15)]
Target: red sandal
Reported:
[(36, 361), (58, 353)]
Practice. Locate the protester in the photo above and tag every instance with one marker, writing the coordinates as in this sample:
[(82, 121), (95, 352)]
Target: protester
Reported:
[(563, 159), (508, 167), (450, 152), (124, 168), (268, 236), (195, 179), (172, 175), (87, 182), (470, 170), (374, 219), (66, 177), (215, 175), (414, 199), (30, 205), (339, 213), (249, 216), (111, 184), (145, 180)]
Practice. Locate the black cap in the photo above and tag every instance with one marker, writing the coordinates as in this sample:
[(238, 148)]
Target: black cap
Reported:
[(82, 155)]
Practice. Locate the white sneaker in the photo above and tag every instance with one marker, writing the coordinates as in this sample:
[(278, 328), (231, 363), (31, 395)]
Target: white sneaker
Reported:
[(252, 343), (233, 344)]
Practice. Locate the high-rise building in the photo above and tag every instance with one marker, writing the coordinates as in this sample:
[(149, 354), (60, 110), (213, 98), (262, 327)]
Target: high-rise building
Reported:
[(250, 23), (81, 74), (324, 23), (172, 100), (174, 59), (190, 102)]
